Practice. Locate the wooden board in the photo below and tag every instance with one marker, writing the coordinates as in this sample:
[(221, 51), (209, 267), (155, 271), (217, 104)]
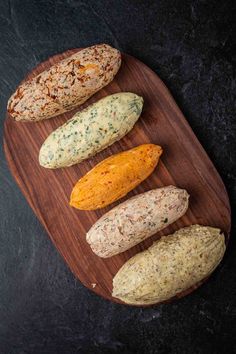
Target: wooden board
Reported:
[(184, 163)]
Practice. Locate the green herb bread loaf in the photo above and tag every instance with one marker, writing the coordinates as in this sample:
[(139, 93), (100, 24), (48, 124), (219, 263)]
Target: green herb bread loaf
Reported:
[(91, 130), (136, 219), (171, 265)]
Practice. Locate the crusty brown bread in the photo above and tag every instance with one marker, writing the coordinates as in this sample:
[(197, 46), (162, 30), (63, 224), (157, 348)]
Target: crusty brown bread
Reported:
[(65, 85)]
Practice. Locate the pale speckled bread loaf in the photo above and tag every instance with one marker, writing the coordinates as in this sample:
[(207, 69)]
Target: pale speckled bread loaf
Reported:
[(171, 265), (136, 219), (91, 130), (65, 85)]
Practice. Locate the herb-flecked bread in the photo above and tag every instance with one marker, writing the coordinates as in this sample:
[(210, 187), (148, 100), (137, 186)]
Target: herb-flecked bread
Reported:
[(171, 265), (114, 177), (65, 85), (91, 130), (136, 219)]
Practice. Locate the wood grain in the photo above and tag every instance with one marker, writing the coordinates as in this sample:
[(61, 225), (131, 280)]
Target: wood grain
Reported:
[(184, 163)]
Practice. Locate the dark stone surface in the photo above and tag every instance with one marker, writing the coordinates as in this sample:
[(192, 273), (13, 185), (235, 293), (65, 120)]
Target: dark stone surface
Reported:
[(191, 46)]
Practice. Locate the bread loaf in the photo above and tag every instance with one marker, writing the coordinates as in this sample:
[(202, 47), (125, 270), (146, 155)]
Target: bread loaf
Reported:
[(114, 177), (91, 130), (136, 219), (171, 265), (65, 85)]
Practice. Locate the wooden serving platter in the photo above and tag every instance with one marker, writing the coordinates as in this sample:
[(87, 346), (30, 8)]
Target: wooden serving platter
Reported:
[(184, 163)]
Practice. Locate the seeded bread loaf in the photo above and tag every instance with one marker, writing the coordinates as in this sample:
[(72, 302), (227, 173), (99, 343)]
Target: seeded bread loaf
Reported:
[(65, 85), (136, 219), (171, 265)]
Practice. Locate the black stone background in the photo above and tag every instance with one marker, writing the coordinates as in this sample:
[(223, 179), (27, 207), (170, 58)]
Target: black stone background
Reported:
[(191, 46)]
